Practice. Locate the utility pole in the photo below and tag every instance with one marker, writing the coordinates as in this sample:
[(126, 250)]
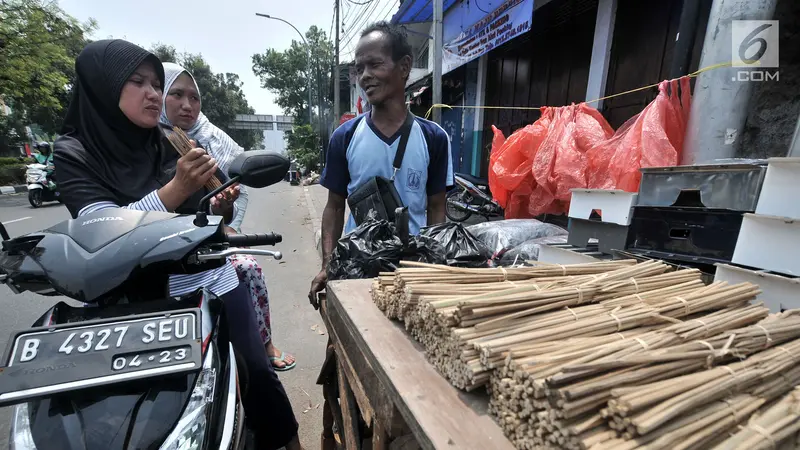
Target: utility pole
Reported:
[(721, 101), (437, 59), (336, 89)]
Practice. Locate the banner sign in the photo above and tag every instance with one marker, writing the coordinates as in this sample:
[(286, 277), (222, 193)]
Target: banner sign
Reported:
[(511, 19)]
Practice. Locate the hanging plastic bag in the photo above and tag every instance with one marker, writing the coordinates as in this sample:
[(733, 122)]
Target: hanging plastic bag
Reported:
[(498, 192), (560, 164), (514, 164), (461, 248), (375, 247), (539, 164), (653, 138), (519, 200)]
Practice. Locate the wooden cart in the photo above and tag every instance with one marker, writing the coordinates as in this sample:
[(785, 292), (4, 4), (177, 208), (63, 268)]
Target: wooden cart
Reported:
[(377, 379)]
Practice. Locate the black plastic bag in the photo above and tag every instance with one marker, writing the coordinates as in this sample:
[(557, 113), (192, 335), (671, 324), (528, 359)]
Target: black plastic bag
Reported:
[(503, 235), (461, 248), (375, 247)]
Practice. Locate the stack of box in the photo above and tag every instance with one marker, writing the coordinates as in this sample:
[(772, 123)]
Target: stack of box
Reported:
[(768, 247), (692, 214), (598, 225), (687, 215)]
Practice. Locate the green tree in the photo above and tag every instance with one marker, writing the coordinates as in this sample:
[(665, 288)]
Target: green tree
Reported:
[(286, 74), (302, 144), (38, 46), (166, 53), (222, 95)]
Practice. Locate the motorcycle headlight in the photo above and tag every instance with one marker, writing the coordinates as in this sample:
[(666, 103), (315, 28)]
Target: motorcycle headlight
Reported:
[(191, 430), (21, 437)]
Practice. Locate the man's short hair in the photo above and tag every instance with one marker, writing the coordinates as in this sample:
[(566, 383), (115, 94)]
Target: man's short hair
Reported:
[(398, 39)]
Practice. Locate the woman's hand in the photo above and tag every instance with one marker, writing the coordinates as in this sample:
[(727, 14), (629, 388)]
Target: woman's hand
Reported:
[(194, 169), (222, 203), (192, 172)]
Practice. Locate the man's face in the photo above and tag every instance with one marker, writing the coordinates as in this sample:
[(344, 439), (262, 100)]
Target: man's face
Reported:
[(380, 77)]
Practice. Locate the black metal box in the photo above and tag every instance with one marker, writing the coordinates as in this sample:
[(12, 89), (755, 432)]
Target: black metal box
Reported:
[(691, 234)]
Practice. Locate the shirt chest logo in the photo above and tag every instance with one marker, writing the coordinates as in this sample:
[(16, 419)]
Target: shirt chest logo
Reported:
[(414, 179)]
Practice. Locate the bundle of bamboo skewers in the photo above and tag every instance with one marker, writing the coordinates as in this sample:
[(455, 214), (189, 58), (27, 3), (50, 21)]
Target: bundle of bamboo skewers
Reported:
[(577, 356), (775, 426), (183, 145), (651, 389)]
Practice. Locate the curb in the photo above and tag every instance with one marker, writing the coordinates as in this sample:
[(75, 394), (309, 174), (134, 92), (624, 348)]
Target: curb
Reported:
[(316, 224), (16, 189)]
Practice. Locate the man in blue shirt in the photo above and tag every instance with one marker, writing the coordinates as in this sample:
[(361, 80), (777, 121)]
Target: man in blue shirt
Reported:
[(364, 147)]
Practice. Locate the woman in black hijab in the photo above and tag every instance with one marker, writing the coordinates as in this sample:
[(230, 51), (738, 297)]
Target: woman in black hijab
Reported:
[(111, 149), (111, 154)]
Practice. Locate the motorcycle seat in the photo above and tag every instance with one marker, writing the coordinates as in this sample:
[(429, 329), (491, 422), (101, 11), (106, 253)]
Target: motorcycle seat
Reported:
[(474, 180)]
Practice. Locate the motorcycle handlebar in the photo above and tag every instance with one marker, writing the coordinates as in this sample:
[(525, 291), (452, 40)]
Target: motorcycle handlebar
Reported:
[(254, 240)]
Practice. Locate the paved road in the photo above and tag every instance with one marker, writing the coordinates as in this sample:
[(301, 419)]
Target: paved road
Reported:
[(281, 208)]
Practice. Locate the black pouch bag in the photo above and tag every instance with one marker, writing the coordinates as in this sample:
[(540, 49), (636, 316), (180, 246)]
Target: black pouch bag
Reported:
[(378, 194)]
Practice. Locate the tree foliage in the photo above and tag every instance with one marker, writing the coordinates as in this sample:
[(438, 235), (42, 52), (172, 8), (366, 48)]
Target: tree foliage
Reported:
[(287, 74), (302, 144), (222, 95), (38, 46)]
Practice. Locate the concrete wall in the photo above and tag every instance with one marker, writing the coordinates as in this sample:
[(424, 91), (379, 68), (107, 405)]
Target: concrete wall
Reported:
[(775, 105)]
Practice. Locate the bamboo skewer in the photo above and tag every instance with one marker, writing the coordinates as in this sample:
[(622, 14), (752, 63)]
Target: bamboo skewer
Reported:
[(776, 424), (616, 355), (182, 145)]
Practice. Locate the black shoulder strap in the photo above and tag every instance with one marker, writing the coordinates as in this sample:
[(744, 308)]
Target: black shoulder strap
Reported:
[(401, 147)]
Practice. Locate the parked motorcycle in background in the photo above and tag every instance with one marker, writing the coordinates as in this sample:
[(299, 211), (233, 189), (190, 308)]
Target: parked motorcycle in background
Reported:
[(41, 186), (40, 176), (470, 196)]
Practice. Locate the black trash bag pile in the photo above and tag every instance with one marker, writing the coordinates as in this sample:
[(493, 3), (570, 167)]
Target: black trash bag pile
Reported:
[(461, 248), (375, 247), (502, 236)]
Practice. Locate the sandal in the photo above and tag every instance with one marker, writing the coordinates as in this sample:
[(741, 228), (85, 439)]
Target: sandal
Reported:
[(282, 358)]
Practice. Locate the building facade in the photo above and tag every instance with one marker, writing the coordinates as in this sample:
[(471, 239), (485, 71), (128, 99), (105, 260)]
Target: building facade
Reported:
[(569, 51)]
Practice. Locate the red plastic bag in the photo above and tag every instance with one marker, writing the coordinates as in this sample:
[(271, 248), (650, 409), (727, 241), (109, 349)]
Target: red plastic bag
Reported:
[(538, 165), (512, 163), (560, 163), (511, 168), (653, 138), (519, 199), (498, 192)]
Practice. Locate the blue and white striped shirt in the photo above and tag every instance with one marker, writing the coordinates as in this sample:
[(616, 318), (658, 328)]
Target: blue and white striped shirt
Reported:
[(220, 281)]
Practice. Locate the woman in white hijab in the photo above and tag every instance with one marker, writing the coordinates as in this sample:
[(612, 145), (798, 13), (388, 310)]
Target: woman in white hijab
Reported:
[(182, 109)]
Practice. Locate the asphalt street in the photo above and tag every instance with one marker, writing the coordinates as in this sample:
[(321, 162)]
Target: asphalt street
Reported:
[(297, 327)]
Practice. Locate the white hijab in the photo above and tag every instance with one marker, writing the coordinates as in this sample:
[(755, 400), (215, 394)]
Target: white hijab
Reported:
[(216, 142)]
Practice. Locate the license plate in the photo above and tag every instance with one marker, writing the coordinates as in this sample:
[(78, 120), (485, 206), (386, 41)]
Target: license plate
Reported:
[(48, 360)]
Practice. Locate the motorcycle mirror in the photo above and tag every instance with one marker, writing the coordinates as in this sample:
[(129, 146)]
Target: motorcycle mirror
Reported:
[(259, 168)]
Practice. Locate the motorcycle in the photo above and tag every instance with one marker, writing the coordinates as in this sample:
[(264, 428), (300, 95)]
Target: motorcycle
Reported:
[(135, 368), (41, 187), (470, 196)]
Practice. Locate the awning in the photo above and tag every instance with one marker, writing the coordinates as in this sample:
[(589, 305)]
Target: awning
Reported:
[(418, 11)]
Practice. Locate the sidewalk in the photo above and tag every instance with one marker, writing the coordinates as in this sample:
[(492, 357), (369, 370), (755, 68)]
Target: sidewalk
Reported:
[(15, 189)]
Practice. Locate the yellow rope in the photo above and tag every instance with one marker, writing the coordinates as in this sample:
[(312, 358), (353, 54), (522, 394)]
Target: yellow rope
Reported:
[(531, 108)]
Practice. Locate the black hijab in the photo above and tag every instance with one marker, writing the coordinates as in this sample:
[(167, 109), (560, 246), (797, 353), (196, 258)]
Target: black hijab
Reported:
[(102, 155)]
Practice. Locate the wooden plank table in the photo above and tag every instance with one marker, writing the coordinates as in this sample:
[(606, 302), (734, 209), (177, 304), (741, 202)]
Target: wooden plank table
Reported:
[(383, 378)]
